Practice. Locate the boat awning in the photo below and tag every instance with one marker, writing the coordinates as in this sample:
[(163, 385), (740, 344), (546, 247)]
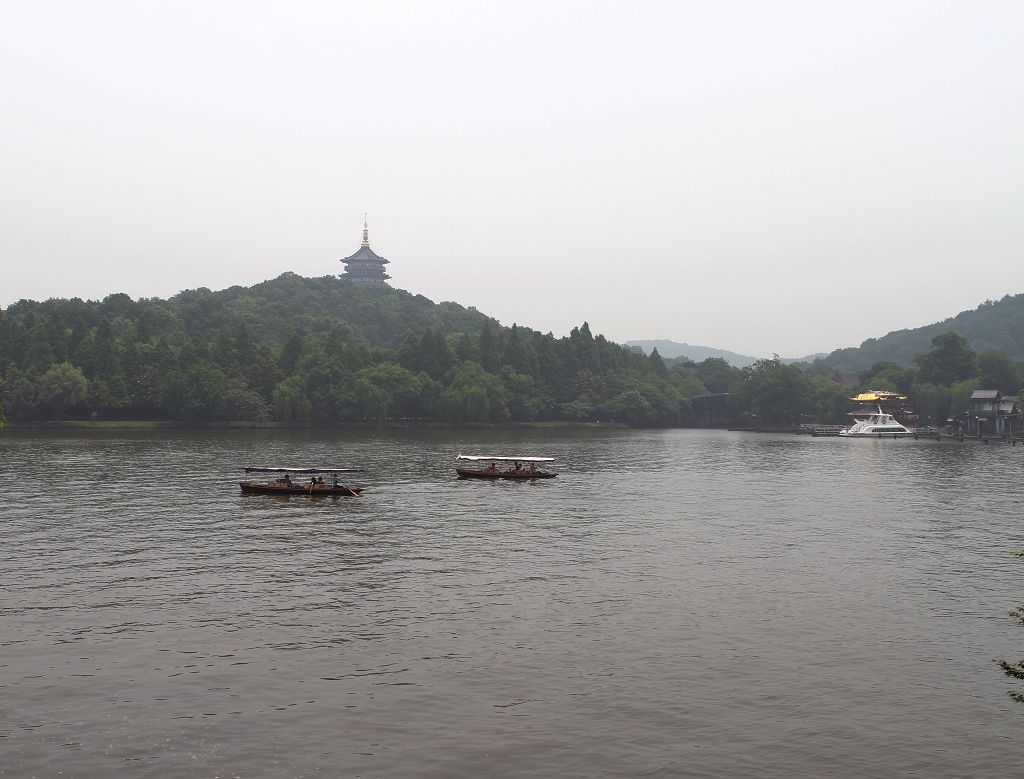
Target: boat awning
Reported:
[(267, 469), (478, 457)]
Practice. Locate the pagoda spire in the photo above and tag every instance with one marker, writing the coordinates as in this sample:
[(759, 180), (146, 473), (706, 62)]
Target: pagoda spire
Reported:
[(366, 267)]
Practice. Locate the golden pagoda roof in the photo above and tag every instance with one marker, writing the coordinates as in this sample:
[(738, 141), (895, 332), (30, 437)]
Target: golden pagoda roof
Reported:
[(874, 396)]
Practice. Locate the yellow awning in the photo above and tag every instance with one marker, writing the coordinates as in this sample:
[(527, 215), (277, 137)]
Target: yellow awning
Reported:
[(877, 395)]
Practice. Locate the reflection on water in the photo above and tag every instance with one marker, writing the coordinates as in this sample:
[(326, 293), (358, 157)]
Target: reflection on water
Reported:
[(676, 602)]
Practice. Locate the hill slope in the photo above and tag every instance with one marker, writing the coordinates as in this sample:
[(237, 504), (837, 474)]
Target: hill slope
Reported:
[(992, 325), (316, 351), (672, 349), (384, 316)]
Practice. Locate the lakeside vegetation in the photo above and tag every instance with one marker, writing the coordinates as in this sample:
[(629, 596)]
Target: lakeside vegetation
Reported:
[(320, 351)]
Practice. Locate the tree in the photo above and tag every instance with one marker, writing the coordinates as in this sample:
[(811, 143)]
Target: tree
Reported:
[(632, 408), (959, 395), (932, 401), (291, 351), (774, 392), (206, 355), (389, 390), (21, 393), (489, 356), (435, 357), (525, 398), (473, 395), (3, 420), (997, 371), (687, 383), (47, 343), (657, 363), (582, 409), (290, 402), (62, 388), (242, 403), (203, 393), (887, 376), (718, 375), (830, 400), (950, 359)]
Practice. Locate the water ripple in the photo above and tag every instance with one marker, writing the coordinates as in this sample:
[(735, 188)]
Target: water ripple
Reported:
[(677, 602)]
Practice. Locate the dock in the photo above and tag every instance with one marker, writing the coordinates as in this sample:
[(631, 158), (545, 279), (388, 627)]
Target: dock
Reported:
[(826, 430)]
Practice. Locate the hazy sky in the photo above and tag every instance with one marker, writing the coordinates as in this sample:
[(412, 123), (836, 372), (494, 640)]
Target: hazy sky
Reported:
[(762, 177)]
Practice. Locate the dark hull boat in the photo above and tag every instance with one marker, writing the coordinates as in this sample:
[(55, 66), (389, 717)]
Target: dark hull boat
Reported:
[(483, 473), (517, 468), (251, 487), (284, 485)]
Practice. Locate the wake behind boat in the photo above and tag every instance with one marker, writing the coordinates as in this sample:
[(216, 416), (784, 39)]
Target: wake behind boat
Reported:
[(316, 485), (504, 467), (876, 425)]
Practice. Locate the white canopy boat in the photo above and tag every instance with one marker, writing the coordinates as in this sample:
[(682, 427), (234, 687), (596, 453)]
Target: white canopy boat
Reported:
[(511, 467)]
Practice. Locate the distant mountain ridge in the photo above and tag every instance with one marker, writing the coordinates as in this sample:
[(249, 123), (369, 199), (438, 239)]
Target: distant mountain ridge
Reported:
[(671, 350), (992, 325)]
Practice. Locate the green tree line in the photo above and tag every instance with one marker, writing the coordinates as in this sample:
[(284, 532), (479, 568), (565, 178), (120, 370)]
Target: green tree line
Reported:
[(939, 384), (318, 351), (321, 351)]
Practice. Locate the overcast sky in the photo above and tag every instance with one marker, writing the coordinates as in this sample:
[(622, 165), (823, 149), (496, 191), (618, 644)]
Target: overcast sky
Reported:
[(761, 177)]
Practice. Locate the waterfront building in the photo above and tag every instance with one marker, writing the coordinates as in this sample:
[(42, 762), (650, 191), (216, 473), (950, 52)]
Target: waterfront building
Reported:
[(366, 267), (990, 413)]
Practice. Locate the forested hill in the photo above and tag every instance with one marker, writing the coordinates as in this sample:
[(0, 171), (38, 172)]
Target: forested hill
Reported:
[(995, 325), (316, 351)]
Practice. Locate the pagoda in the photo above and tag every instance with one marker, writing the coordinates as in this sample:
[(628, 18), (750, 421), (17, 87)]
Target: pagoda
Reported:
[(366, 267)]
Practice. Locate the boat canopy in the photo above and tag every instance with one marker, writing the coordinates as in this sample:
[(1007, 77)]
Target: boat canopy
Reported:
[(262, 469), (876, 395), (506, 459)]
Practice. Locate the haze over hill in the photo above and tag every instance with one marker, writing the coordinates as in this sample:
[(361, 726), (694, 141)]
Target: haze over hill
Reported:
[(672, 349), (992, 325), (763, 164)]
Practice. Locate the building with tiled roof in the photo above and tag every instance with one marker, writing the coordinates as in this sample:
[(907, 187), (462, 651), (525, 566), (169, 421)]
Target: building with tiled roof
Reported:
[(366, 267)]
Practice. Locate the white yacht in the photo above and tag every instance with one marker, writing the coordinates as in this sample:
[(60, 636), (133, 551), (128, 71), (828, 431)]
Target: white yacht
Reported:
[(879, 425)]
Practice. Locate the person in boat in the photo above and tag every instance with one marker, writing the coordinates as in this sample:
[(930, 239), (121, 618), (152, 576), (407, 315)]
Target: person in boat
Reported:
[(533, 467), (334, 480), (492, 468), (519, 466), (287, 480)]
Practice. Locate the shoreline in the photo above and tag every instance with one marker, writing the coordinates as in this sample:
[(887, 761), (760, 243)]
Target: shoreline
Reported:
[(154, 424)]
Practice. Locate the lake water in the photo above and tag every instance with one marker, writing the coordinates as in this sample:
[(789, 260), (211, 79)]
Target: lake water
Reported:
[(676, 603)]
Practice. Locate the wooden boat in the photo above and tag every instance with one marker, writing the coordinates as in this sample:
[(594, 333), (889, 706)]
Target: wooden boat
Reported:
[(504, 467), (316, 487)]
